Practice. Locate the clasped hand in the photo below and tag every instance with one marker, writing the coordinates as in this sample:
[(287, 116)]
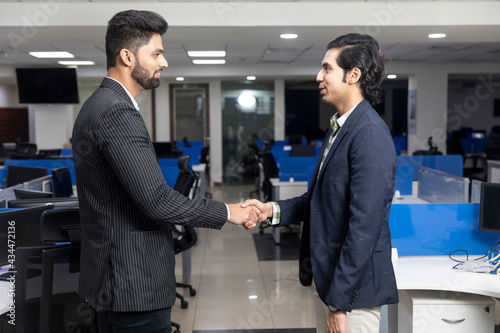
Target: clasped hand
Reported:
[(249, 213)]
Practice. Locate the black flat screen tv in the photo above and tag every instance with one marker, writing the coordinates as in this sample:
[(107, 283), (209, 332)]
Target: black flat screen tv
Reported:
[(47, 85)]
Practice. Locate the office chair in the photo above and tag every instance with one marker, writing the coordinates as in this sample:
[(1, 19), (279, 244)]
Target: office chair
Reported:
[(270, 170), (25, 150), (28, 249), (433, 150), (60, 226), (184, 236), (474, 165), (205, 159)]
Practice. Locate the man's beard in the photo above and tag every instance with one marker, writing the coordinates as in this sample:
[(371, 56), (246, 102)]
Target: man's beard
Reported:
[(141, 76)]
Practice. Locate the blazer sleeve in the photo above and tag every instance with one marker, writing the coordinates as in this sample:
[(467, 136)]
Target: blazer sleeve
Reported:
[(125, 143), (372, 163)]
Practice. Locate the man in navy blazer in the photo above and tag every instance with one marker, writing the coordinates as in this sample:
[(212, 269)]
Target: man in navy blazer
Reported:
[(346, 241), (126, 207)]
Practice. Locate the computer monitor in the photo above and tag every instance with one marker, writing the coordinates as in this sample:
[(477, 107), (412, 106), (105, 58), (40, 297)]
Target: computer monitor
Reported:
[(489, 212), (17, 174), (302, 150), (27, 220), (166, 149), (31, 194), (56, 202), (61, 179)]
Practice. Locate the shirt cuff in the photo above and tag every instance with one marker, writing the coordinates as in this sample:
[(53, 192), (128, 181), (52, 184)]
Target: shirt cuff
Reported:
[(276, 218), (228, 212)]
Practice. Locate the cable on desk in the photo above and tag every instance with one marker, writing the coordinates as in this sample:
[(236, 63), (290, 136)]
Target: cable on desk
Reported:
[(460, 262)]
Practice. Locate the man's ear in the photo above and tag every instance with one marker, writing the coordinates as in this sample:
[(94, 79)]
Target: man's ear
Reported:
[(127, 57), (354, 75)]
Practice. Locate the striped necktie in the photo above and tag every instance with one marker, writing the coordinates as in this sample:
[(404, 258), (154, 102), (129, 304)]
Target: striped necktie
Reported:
[(335, 129)]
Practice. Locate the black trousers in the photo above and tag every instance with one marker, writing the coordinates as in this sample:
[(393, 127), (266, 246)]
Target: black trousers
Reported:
[(156, 321)]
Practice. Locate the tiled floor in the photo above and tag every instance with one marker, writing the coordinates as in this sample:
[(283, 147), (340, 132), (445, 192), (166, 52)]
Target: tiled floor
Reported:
[(238, 293)]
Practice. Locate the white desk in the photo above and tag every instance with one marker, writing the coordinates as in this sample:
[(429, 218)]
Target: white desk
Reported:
[(437, 273), (286, 190), (493, 171)]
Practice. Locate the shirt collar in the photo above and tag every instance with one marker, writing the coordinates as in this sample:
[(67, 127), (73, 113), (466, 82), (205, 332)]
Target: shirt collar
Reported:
[(340, 120), (128, 93)]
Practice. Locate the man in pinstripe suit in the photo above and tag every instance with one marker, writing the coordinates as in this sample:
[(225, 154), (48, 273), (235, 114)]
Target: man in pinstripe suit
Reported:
[(126, 207)]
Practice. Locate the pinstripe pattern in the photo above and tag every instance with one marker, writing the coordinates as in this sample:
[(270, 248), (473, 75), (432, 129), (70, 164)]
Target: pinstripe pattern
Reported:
[(127, 208)]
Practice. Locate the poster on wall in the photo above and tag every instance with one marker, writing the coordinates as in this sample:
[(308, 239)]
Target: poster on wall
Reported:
[(412, 111)]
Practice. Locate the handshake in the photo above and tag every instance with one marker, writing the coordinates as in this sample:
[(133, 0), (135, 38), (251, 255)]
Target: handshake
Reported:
[(249, 213)]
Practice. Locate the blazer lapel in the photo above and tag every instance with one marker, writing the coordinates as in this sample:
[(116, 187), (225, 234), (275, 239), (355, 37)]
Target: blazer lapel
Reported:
[(356, 113)]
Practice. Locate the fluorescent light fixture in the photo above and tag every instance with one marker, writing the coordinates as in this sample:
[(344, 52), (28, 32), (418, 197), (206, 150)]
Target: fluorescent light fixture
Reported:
[(76, 63), (209, 61), (392, 76), (207, 53), (59, 54), (251, 78), (179, 78), (253, 297), (288, 36), (439, 35)]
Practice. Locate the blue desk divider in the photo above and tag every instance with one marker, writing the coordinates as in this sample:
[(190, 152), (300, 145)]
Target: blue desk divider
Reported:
[(398, 149), (3, 177), (194, 153), (438, 229), (295, 167), (404, 180), (168, 162), (170, 174), (279, 153), (401, 141), (66, 152), (447, 163), (49, 164)]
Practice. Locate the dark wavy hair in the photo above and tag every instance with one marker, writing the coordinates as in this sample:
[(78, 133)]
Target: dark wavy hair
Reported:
[(363, 52), (130, 30)]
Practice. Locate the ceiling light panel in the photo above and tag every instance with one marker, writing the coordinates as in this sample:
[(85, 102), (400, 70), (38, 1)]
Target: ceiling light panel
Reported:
[(208, 54), (209, 61), (52, 54)]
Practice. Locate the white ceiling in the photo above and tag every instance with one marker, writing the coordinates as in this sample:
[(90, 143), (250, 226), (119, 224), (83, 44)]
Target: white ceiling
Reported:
[(254, 44)]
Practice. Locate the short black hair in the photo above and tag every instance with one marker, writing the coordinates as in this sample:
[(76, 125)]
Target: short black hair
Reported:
[(130, 30), (362, 51)]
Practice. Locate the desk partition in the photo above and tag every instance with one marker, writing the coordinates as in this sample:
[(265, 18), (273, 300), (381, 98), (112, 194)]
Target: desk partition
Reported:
[(295, 167), (440, 187), (448, 163)]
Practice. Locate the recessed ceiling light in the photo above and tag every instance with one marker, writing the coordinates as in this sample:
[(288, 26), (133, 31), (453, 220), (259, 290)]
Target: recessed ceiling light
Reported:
[(207, 53), (209, 61), (179, 78), (76, 63), (439, 35), (253, 297), (59, 54), (392, 76), (288, 36), (251, 78)]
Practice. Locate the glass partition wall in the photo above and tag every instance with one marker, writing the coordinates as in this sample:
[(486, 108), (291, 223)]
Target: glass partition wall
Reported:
[(247, 121)]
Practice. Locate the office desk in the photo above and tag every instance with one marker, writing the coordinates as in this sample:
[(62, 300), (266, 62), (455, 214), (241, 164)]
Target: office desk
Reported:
[(437, 273), (493, 171), (408, 199), (286, 190)]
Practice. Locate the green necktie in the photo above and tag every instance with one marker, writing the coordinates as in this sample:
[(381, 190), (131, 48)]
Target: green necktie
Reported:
[(335, 129)]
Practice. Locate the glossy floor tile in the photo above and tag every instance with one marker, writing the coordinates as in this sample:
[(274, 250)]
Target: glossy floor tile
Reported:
[(238, 290)]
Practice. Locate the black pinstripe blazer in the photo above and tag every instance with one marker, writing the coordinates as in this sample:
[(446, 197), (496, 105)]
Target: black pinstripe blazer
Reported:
[(127, 208)]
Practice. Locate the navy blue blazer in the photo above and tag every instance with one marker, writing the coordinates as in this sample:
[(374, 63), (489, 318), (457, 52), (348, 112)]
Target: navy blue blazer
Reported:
[(346, 241)]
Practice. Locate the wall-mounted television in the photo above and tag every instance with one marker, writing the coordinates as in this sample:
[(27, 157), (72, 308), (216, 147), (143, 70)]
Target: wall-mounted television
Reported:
[(47, 85)]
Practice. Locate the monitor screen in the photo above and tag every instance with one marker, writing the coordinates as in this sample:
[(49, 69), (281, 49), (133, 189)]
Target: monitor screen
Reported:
[(489, 216), (18, 174), (47, 85), (56, 202), (22, 193), (61, 179)]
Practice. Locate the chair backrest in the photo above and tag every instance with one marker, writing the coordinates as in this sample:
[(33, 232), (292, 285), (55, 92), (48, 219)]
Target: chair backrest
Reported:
[(26, 223), (61, 225), (187, 179), (204, 154), (184, 238)]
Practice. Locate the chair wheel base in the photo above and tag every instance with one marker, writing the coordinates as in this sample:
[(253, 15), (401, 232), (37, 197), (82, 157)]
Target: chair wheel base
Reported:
[(184, 304)]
